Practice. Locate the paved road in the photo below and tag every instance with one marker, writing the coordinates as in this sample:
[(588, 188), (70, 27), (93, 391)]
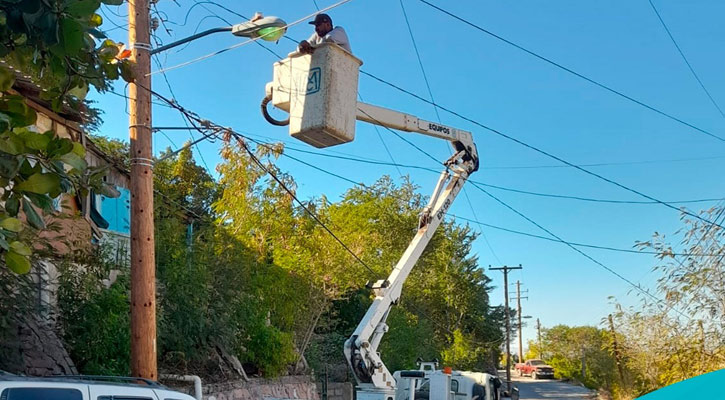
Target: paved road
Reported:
[(530, 389)]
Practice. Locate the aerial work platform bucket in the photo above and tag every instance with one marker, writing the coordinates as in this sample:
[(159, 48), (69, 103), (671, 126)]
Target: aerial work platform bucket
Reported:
[(319, 91)]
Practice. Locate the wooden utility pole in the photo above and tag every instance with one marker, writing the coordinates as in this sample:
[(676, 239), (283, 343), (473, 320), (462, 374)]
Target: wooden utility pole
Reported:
[(538, 337), (143, 265), (506, 270), (518, 311), (617, 357)]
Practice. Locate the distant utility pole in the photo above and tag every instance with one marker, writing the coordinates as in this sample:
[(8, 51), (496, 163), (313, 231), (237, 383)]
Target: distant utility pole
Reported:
[(143, 266), (538, 337), (506, 270), (518, 311), (617, 357)]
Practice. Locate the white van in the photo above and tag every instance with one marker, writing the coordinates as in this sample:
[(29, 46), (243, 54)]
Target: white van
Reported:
[(14, 387)]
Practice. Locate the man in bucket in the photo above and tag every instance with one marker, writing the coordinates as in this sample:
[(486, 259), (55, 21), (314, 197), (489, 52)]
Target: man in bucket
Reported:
[(324, 32)]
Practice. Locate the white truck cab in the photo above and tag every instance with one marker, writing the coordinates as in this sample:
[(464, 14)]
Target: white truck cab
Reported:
[(456, 385), (14, 387)]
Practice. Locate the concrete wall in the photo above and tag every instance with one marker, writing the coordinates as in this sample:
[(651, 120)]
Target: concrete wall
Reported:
[(286, 387)]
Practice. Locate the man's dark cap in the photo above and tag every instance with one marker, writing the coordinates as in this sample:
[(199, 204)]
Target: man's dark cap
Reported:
[(320, 18)]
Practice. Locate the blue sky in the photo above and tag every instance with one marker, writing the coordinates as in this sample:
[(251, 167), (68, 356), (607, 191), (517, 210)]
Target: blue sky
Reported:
[(618, 43)]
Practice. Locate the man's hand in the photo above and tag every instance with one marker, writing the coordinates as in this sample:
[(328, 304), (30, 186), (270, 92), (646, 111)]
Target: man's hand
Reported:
[(305, 47)]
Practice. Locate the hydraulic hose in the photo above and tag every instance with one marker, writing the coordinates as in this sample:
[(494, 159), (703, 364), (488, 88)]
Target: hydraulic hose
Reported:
[(268, 117)]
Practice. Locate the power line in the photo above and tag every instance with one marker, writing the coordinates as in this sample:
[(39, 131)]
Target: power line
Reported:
[(376, 162), (401, 137), (679, 50), (591, 246), (480, 226), (385, 146), (420, 61), (438, 116), (497, 187), (603, 164), (173, 97), (608, 269), (241, 140), (252, 40), (569, 70), (299, 202), (476, 220), (540, 151)]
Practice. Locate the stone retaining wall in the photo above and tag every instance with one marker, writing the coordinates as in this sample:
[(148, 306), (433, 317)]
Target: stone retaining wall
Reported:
[(339, 391), (286, 387)]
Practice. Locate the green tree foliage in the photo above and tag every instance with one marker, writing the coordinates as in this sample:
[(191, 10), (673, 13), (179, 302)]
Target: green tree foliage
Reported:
[(57, 44), (94, 312), (582, 353), (446, 293), (60, 45), (243, 268), (117, 150)]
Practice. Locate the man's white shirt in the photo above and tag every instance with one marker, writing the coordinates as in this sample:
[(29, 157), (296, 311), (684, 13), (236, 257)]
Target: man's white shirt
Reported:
[(337, 36)]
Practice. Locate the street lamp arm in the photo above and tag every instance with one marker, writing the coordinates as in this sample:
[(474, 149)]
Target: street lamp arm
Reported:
[(190, 38), (266, 28)]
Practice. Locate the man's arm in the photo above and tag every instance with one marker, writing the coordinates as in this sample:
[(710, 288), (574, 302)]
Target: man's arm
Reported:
[(305, 47)]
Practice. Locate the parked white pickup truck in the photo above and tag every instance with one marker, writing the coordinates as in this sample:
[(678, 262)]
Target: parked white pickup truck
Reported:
[(14, 387)]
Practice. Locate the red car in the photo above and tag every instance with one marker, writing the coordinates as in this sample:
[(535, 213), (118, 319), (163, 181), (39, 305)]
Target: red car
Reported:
[(536, 368)]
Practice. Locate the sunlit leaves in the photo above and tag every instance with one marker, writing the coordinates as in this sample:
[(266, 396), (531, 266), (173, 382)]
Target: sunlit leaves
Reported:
[(17, 263)]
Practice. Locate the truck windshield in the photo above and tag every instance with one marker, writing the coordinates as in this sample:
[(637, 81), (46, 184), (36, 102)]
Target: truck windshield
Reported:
[(537, 362)]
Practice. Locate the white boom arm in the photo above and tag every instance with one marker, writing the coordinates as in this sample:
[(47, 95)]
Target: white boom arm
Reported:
[(361, 349)]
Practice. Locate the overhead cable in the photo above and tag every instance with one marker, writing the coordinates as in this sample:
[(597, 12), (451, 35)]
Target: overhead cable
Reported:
[(253, 157), (252, 40), (679, 50), (476, 220), (540, 151), (592, 259), (569, 70)]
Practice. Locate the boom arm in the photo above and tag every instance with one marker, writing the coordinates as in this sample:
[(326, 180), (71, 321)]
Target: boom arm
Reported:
[(361, 348)]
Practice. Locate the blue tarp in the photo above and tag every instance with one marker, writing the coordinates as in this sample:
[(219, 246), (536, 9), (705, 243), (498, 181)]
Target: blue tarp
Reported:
[(707, 386)]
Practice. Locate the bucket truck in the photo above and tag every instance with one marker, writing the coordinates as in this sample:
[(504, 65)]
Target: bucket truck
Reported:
[(319, 92)]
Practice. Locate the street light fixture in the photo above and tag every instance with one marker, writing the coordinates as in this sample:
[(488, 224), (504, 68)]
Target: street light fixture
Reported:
[(265, 28), (143, 263)]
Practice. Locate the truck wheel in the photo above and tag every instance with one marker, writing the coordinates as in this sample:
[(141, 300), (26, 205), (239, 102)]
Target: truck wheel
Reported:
[(533, 375)]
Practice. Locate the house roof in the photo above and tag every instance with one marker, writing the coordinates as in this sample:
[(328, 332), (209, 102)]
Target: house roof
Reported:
[(25, 86)]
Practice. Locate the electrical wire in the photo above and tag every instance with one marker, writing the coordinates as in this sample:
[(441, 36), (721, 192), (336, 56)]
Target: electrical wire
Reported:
[(385, 146), (569, 70), (543, 152), (591, 246), (253, 157), (476, 220), (483, 234), (508, 189), (194, 141), (602, 164), (420, 60), (679, 50), (597, 262), (252, 40), (560, 196), (401, 137)]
